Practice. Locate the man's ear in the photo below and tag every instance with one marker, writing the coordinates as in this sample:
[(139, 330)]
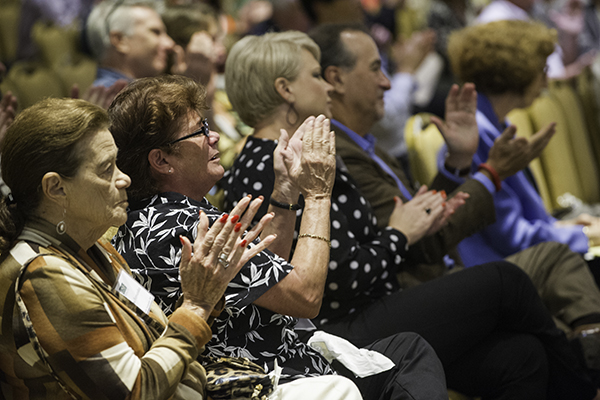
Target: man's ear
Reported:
[(53, 188), (282, 86), (158, 162), (119, 41), (335, 76)]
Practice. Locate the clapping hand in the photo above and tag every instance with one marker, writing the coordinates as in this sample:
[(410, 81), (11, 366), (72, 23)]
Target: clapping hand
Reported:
[(408, 55), (218, 254), (287, 162), (452, 204), (459, 129), (425, 214), (415, 217), (511, 154), (318, 159)]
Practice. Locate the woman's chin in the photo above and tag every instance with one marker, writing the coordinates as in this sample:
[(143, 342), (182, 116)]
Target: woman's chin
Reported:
[(120, 217)]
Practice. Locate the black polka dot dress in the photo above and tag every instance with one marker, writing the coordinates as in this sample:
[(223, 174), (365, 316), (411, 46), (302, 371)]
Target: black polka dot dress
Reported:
[(364, 259)]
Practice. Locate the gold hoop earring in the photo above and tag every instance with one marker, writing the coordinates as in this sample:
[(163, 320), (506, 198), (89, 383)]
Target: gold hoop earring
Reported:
[(292, 110)]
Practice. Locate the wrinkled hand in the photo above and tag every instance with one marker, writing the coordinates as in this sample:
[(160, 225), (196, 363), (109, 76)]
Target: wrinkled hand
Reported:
[(204, 277), (100, 95), (511, 154), (459, 129), (8, 108), (318, 160), (287, 163), (412, 219), (410, 53)]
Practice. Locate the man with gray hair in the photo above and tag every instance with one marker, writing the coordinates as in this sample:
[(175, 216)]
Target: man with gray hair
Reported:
[(128, 39)]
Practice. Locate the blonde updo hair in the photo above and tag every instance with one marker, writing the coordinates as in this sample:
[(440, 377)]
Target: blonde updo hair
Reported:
[(253, 65), (501, 56)]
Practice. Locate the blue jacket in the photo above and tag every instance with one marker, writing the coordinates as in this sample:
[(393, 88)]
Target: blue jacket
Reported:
[(107, 77), (521, 219)]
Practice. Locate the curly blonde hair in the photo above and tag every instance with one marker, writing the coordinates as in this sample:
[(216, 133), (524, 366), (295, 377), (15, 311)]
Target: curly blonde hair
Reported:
[(501, 56)]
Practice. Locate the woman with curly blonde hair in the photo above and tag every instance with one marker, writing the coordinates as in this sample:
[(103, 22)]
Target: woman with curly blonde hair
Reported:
[(507, 62)]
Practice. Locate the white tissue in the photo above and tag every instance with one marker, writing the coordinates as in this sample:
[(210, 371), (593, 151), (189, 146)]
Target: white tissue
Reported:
[(361, 362)]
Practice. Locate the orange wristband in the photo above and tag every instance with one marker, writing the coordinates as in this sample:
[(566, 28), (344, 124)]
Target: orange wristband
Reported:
[(492, 171)]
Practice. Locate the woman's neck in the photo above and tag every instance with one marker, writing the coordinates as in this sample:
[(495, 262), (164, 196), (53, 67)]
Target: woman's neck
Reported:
[(503, 104), (83, 234)]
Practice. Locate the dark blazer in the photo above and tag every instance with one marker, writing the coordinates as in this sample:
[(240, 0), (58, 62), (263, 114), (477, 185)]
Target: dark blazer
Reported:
[(380, 188)]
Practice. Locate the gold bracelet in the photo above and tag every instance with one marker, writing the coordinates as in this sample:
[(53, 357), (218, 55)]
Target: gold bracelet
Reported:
[(308, 235)]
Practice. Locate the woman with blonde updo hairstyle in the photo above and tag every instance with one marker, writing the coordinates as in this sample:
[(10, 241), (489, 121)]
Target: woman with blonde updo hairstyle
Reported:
[(280, 55), (506, 60)]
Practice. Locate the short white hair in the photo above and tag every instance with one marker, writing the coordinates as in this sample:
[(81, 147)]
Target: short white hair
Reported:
[(113, 15)]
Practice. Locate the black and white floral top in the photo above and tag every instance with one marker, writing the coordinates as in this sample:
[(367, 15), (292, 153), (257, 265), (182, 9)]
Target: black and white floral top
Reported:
[(149, 242), (363, 260)]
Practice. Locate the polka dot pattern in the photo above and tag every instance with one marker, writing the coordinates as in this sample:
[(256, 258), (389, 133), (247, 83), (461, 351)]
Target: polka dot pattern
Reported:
[(363, 259)]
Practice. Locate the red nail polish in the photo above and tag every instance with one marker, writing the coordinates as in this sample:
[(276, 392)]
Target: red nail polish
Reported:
[(435, 191), (261, 197), (444, 204), (181, 240), (224, 218), (443, 193), (238, 226), (243, 243), (234, 219)]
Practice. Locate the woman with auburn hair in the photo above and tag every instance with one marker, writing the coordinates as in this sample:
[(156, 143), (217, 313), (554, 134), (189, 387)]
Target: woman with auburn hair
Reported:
[(71, 327), (507, 62), (487, 324)]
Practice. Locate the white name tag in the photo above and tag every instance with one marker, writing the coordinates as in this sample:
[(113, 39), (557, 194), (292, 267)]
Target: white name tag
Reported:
[(133, 291)]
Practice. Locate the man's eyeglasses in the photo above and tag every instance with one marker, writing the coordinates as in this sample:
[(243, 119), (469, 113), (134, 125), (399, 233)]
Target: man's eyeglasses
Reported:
[(204, 130)]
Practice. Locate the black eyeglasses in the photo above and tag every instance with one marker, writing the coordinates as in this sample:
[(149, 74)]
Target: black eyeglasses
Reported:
[(204, 130)]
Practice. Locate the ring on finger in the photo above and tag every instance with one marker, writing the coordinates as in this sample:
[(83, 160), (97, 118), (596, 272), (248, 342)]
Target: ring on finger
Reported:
[(223, 260), (428, 210)]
